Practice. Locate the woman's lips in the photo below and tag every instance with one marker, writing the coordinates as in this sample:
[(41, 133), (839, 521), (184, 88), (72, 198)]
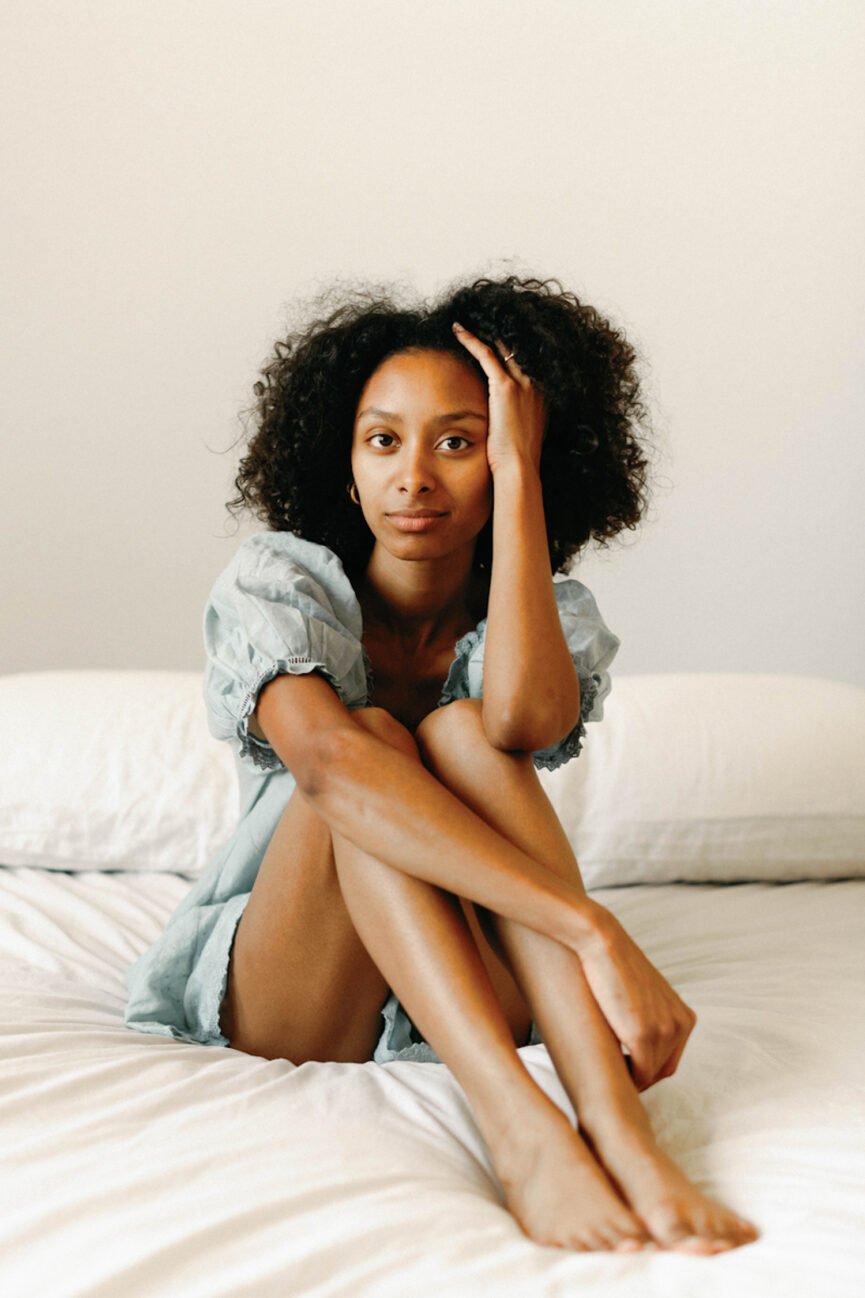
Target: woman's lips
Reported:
[(415, 522)]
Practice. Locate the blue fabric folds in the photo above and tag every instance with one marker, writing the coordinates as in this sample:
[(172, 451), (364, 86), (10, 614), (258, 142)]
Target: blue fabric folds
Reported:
[(282, 605), (593, 648), (285, 605)]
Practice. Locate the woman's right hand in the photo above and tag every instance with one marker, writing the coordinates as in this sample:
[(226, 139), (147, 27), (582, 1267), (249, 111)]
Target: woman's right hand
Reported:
[(647, 1016)]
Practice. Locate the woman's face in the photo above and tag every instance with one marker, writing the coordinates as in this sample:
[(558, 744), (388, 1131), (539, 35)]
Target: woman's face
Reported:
[(419, 443)]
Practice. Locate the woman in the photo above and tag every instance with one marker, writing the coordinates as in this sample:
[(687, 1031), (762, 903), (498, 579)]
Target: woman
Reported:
[(392, 661)]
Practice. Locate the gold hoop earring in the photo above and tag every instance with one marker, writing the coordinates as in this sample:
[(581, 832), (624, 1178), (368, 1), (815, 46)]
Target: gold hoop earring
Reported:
[(352, 491)]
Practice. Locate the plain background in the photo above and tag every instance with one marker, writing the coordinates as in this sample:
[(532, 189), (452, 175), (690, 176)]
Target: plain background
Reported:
[(179, 173)]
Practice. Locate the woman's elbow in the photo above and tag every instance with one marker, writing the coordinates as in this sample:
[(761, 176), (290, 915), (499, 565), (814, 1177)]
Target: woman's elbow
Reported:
[(529, 734)]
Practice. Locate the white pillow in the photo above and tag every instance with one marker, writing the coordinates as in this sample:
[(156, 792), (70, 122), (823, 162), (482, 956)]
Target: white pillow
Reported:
[(111, 770), (695, 778), (718, 778)]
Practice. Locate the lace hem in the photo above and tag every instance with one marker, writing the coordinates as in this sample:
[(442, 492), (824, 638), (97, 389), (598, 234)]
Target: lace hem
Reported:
[(259, 750), (456, 684), (550, 759), (370, 675)]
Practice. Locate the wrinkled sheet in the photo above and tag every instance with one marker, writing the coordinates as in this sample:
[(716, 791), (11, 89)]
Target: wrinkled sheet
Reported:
[(133, 1165)]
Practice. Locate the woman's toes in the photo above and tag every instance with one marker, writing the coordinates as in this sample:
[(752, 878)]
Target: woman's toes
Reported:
[(741, 1232), (629, 1245), (703, 1239), (630, 1237), (729, 1232), (672, 1229), (668, 1226), (698, 1244)]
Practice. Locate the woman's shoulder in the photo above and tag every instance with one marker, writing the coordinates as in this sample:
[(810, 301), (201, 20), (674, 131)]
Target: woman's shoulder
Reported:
[(282, 605), (287, 548), (285, 566)]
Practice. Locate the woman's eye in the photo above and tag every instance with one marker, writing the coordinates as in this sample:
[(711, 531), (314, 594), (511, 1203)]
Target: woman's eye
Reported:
[(389, 441)]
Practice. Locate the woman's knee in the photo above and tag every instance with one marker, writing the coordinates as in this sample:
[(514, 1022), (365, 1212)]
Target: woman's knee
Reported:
[(384, 725), (453, 723), (454, 739)]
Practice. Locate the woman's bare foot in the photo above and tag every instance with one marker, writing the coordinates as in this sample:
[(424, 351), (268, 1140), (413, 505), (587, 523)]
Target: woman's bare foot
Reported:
[(556, 1190), (678, 1215)]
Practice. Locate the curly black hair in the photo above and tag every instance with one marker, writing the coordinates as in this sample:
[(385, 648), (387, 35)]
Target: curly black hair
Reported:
[(593, 465)]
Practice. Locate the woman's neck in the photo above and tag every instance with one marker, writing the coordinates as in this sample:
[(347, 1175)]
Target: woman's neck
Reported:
[(422, 603)]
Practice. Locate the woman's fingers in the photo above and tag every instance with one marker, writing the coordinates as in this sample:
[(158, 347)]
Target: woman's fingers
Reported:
[(510, 362), (645, 1060), (637, 1077), (487, 357), (687, 1028), (497, 362), (518, 413), (646, 1015), (656, 1051), (662, 1034), (672, 1063)]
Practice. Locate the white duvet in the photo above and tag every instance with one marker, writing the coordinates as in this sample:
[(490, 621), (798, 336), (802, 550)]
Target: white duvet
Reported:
[(133, 1165)]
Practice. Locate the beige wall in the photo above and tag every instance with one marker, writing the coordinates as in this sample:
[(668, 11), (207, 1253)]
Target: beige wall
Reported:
[(177, 172)]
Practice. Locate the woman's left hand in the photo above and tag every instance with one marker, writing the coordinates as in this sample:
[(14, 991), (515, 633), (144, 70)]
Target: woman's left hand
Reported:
[(645, 1013), (518, 413)]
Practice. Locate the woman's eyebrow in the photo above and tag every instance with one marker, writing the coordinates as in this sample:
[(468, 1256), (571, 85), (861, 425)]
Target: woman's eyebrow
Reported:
[(439, 419)]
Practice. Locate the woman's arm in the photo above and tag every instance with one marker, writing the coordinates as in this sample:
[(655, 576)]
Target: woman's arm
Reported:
[(392, 807), (531, 699), (389, 805), (531, 692)]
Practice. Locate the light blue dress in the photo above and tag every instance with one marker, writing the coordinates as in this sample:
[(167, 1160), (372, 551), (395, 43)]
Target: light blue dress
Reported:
[(284, 604)]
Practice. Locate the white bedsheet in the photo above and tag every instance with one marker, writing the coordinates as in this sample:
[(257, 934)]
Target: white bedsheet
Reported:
[(133, 1165)]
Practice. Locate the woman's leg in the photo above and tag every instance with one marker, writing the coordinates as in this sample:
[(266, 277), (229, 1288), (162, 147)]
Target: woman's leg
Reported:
[(327, 931), (301, 984), (503, 788), (418, 937)]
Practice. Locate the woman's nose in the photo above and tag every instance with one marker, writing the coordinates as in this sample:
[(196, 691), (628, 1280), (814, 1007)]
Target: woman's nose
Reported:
[(416, 472)]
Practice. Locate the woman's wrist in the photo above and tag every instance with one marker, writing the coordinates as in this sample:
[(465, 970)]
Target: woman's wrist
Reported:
[(583, 921), (517, 467)]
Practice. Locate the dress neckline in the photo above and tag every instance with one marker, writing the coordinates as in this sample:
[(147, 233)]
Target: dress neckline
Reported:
[(462, 648)]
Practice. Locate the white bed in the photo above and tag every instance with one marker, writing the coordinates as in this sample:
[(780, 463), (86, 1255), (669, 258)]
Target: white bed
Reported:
[(136, 1165)]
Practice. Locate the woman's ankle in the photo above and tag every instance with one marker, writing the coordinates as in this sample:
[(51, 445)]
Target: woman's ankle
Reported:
[(621, 1118), (518, 1147), (512, 1112)]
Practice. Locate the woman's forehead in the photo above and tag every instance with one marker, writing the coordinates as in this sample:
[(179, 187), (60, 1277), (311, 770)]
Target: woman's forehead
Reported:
[(420, 377)]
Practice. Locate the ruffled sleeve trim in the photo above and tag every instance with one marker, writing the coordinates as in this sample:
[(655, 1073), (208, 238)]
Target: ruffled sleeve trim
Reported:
[(550, 759), (283, 605), (370, 677), (592, 646), (456, 684), (259, 751)]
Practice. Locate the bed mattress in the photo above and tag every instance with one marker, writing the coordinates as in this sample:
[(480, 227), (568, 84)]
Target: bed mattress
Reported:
[(134, 1165)]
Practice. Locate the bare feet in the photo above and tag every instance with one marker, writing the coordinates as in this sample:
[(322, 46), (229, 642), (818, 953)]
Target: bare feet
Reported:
[(678, 1215), (556, 1189)]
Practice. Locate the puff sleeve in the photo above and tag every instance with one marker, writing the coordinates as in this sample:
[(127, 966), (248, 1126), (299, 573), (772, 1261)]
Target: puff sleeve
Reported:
[(282, 604), (593, 647)]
